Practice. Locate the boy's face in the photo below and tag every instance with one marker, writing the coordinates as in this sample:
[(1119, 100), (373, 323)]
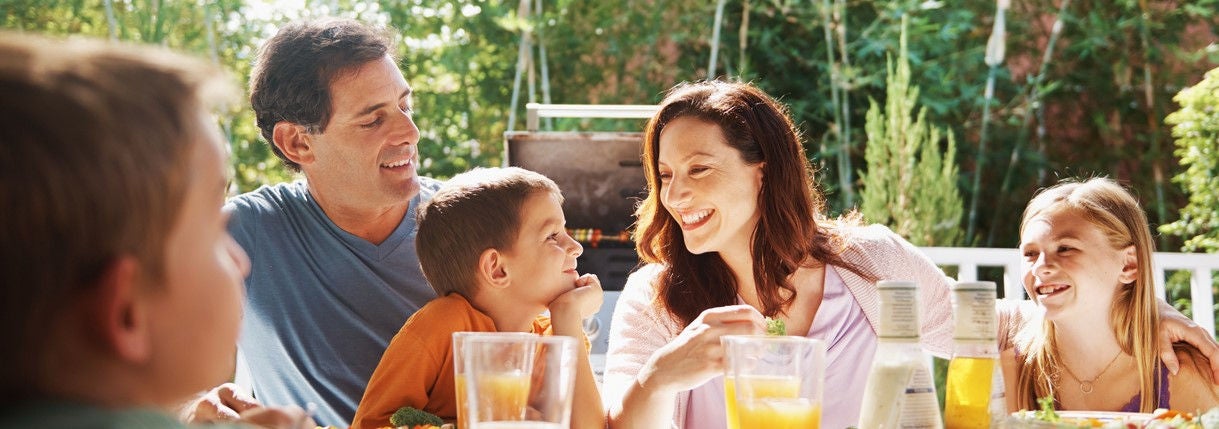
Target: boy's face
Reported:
[(542, 260), (195, 314)]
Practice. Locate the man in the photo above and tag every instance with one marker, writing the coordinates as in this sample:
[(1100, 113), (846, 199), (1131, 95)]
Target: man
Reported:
[(333, 266)]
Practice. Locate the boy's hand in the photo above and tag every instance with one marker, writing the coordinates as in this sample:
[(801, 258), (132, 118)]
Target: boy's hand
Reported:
[(568, 309)]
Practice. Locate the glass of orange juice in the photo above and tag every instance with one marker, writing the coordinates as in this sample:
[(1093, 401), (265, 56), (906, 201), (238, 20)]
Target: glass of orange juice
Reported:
[(517, 382), (773, 381), (459, 367)]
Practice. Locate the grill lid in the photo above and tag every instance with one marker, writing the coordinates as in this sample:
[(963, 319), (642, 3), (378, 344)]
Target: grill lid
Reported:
[(600, 173)]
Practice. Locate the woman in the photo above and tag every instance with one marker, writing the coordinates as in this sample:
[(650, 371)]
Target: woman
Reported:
[(1087, 257), (733, 229), (732, 217)]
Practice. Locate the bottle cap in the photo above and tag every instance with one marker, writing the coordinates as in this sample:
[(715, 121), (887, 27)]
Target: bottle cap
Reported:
[(973, 305)]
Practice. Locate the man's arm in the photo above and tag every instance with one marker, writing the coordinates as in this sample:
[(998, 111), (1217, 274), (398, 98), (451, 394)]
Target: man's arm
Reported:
[(1175, 327), (230, 403)]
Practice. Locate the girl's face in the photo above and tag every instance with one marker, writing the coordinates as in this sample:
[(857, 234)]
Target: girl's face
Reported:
[(1070, 267), (707, 187)]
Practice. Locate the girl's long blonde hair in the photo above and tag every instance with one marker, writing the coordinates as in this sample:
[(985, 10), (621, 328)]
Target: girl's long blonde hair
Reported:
[(1134, 318)]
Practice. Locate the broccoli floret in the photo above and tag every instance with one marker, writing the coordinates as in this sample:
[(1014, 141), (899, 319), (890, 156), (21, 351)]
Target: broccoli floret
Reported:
[(1047, 410), (410, 417), (775, 327)]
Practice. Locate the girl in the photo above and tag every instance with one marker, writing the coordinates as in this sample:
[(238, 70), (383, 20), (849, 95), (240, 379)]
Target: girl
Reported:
[(1093, 346)]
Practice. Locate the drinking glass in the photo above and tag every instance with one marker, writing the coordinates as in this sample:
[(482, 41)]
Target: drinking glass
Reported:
[(459, 367), (518, 382), (773, 382)]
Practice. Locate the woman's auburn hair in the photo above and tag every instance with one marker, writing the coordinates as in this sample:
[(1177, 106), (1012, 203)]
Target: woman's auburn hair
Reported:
[(791, 231), (1134, 317)]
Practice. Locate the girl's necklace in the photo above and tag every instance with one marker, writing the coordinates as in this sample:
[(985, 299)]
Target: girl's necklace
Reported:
[(1087, 386)]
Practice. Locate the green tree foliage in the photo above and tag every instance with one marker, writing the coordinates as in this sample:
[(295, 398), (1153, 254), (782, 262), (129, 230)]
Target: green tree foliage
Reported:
[(910, 183), (1097, 107), (1094, 106), (1196, 128), (459, 57), (623, 52), (220, 30)]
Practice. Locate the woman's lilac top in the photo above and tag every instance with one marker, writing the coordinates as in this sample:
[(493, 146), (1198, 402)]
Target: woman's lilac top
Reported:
[(850, 344)]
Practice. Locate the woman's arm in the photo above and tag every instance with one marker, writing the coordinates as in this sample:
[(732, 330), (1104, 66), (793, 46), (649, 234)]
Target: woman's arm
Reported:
[(651, 359), (688, 361), (636, 332)]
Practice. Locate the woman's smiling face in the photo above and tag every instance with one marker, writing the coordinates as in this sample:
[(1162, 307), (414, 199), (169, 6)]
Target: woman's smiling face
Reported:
[(707, 187)]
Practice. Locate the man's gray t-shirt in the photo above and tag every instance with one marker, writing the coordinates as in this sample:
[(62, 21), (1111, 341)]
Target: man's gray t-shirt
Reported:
[(322, 304)]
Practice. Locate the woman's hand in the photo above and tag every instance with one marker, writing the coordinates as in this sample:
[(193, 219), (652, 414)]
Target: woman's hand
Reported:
[(696, 356)]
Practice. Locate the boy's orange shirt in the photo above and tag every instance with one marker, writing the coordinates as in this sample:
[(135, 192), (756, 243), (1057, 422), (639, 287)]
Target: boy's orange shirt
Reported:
[(417, 368)]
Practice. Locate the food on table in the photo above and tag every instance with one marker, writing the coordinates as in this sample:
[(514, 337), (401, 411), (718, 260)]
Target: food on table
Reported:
[(775, 327)]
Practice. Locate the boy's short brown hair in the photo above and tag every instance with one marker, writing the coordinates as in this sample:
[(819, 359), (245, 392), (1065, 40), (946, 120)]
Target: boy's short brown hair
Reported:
[(97, 138), (474, 211)]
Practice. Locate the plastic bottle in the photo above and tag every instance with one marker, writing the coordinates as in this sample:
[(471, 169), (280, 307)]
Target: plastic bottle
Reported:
[(975, 353), (899, 392)]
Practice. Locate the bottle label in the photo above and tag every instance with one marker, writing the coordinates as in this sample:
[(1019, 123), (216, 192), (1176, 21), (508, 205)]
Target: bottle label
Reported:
[(974, 307), (921, 409), (898, 311)]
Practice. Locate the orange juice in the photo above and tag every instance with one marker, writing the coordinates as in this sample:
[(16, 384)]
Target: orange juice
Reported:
[(504, 395), (459, 383), (776, 387), (730, 403), (779, 413)]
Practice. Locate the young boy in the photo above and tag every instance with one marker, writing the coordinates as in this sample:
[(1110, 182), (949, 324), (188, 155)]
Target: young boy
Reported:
[(492, 244), (121, 288)]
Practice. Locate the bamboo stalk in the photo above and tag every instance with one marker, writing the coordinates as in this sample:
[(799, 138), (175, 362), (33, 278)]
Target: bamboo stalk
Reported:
[(995, 52), (542, 61), (110, 21), (715, 38), (522, 61), (743, 40), (835, 75), (1034, 98), (844, 157), (1153, 120)]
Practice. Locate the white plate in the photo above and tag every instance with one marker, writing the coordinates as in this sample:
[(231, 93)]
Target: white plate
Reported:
[(1105, 416), (1071, 419)]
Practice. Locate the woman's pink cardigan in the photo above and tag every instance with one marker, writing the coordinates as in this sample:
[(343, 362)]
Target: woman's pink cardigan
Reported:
[(641, 325)]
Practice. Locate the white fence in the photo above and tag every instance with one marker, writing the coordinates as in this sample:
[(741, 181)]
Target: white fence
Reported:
[(967, 260), (1200, 266)]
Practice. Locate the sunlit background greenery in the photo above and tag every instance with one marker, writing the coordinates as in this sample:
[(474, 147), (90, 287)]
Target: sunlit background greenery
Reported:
[(1089, 99), (1091, 103)]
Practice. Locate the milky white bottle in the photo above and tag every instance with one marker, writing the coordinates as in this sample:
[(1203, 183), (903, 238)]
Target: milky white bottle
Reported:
[(899, 392)]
